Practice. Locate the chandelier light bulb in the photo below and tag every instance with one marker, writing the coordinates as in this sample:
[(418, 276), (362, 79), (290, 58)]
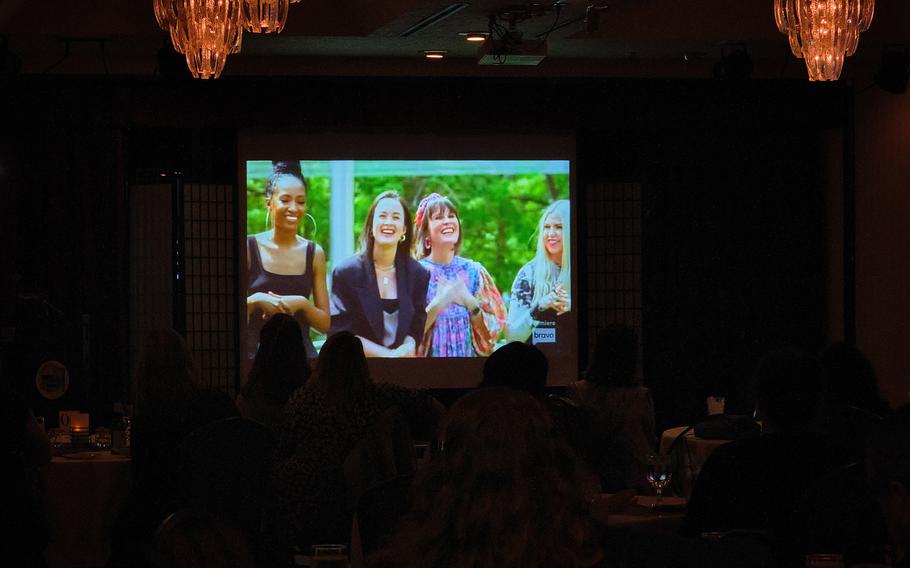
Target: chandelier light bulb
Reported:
[(213, 31), (264, 16)]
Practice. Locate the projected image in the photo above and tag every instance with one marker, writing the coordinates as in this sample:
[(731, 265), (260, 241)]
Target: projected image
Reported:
[(417, 258)]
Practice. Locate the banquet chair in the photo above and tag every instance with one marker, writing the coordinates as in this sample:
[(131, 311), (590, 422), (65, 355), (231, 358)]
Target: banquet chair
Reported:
[(385, 452), (224, 470), (598, 449), (378, 511)]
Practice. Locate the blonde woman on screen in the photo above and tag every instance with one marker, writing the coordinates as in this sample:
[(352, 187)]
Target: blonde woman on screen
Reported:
[(542, 288), (286, 272)]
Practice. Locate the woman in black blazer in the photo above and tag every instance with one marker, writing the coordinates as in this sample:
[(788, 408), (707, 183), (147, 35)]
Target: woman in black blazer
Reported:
[(380, 294)]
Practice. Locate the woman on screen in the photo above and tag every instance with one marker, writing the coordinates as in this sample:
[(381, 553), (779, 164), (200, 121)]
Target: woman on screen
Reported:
[(465, 311), (286, 272), (542, 288), (380, 293)]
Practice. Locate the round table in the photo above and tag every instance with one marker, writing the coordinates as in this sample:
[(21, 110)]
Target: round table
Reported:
[(641, 516), (689, 455), (85, 492)]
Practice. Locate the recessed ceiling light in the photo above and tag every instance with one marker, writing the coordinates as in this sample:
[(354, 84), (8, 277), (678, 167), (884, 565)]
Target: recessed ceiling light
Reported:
[(475, 36), (434, 54)]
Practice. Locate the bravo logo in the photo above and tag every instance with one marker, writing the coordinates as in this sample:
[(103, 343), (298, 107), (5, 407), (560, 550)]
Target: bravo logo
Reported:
[(544, 335)]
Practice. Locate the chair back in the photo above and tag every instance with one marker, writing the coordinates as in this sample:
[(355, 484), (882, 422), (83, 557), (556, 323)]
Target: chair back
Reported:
[(580, 429), (224, 469), (384, 452), (379, 509)]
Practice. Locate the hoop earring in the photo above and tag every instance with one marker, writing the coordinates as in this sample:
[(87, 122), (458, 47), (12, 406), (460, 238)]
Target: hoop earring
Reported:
[(313, 219), (403, 237)]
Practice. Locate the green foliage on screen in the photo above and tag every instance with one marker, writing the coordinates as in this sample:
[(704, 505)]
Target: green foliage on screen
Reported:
[(499, 213)]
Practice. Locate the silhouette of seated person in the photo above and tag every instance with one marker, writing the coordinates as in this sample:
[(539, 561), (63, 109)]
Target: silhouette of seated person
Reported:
[(498, 492), (25, 531), (524, 367), (323, 422), (225, 466), (889, 469), (518, 366), (757, 483), (839, 514), (170, 404), (852, 404), (623, 409), (279, 368), (197, 539)]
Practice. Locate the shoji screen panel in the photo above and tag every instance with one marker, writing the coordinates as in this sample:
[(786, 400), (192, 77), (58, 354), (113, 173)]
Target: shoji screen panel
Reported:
[(210, 282), (151, 243), (613, 216)]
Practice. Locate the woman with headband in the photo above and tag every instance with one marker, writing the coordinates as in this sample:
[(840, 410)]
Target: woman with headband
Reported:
[(380, 294), (286, 272), (465, 311), (541, 291)]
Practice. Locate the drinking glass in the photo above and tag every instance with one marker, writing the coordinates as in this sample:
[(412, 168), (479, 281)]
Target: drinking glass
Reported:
[(659, 474), (329, 556), (102, 438), (55, 436), (824, 561)]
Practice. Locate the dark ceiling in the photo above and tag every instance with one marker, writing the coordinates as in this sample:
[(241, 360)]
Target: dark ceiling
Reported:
[(364, 37)]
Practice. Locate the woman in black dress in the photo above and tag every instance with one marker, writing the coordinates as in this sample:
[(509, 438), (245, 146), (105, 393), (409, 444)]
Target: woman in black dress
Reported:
[(380, 294), (286, 271)]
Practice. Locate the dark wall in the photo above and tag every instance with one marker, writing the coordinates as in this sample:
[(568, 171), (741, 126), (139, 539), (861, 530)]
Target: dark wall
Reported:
[(734, 246), (734, 211), (63, 223)]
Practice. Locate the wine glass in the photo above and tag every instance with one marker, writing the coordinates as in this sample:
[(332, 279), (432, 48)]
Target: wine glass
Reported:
[(659, 473)]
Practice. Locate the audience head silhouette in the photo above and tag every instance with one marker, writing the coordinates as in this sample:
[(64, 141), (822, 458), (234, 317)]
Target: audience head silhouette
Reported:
[(166, 370), (499, 492), (516, 365), (850, 379), (190, 539), (280, 366), (788, 390), (342, 372), (615, 355)]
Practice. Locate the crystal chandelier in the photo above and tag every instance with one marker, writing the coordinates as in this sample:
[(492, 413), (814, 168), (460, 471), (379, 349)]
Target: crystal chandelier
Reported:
[(213, 31), (206, 31), (823, 32), (265, 16)]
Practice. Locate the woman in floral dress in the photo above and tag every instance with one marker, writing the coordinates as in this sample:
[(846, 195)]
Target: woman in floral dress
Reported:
[(465, 311)]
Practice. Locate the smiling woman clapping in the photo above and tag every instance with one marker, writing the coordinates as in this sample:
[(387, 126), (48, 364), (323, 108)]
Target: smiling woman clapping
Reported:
[(380, 293), (541, 290), (465, 311), (286, 271)]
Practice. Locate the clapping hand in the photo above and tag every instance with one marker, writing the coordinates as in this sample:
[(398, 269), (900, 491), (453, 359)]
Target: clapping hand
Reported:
[(452, 291), (557, 300), (562, 304), (271, 304), (284, 302), (406, 349)]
